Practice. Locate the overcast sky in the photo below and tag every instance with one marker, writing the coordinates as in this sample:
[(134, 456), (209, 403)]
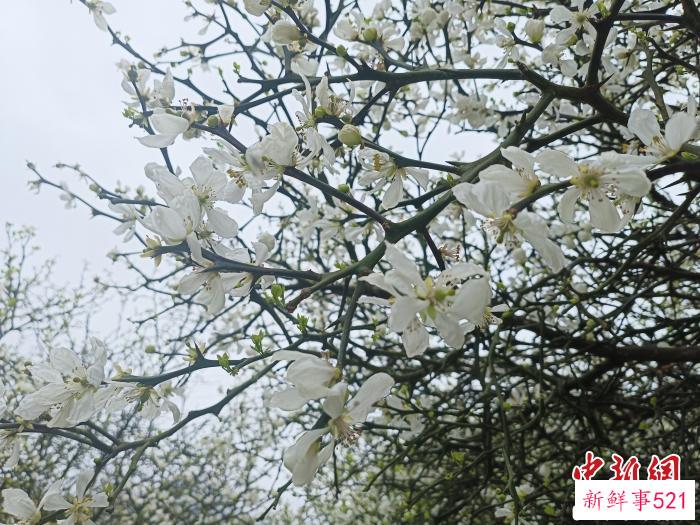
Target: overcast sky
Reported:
[(62, 91)]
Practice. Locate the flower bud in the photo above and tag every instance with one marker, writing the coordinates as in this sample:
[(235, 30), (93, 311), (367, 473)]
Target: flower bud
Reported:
[(370, 34), (534, 29), (285, 32), (320, 112), (341, 50), (226, 113), (213, 121), (344, 188), (350, 135)]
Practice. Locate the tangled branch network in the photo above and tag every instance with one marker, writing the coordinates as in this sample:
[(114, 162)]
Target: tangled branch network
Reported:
[(426, 256)]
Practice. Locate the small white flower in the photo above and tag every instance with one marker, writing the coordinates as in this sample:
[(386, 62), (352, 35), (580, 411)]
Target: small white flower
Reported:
[(98, 9), (417, 302), (310, 376), (129, 218), (488, 199), (613, 172), (575, 20), (72, 392), (680, 129), (304, 458), (382, 171), (80, 505), (152, 401)]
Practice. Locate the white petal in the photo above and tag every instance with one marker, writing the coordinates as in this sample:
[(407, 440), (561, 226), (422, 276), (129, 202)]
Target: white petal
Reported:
[(472, 299), (680, 129), (202, 170), (549, 251), (643, 123), (157, 141), (311, 376), (17, 503), (402, 263), (403, 311), (99, 500), (288, 399), (604, 214), (289, 355), (560, 14), (415, 338), (82, 409), (450, 330), (81, 482), (221, 223), (557, 164), (567, 204), (192, 283), (300, 458), (519, 158), (634, 183), (335, 402), (392, 196), (53, 500), (374, 389), (169, 124), (65, 361), (46, 374), (486, 198)]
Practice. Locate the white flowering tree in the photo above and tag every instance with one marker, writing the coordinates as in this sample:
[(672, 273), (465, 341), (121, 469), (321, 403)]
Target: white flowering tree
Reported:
[(426, 256)]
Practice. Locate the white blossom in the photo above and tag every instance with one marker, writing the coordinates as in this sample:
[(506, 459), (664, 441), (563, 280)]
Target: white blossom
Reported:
[(489, 200), (418, 302), (72, 392), (382, 171), (98, 10), (304, 458), (679, 129), (310, 376), (593, 180)]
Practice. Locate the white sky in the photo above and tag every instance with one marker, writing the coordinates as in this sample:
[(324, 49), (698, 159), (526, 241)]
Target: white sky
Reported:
[(62, 91)]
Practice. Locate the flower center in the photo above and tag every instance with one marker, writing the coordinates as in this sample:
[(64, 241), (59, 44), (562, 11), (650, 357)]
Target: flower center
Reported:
[(503, 229), (588, 179), (488, 318), (345, 432), (80, 510)]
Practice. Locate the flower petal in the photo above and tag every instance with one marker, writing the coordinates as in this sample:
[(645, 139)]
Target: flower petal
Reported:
[(374, 389), (557, 164), (403, 311), (643, 123), (157, 141), (604, 214), (17, 503), (680, 129), (415, 338), (567, 204), (168, 124)]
